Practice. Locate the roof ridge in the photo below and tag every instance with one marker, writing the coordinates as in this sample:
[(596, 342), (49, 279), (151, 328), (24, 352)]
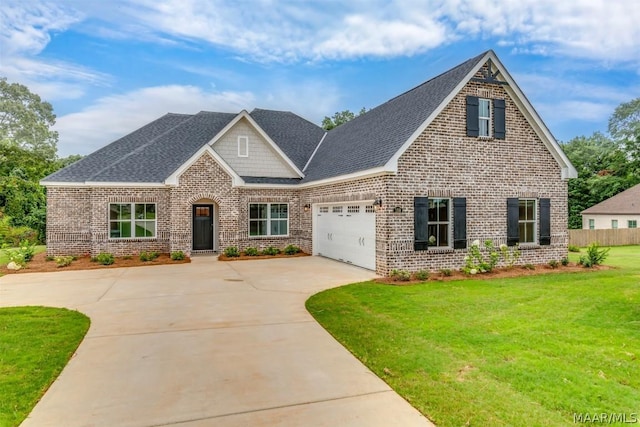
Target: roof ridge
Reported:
[(151, 141), (288, 112)]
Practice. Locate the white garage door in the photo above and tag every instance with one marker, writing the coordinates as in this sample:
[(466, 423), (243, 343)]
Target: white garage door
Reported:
[(346, 232)]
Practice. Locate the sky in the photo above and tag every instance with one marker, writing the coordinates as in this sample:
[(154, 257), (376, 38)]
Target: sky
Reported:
[(110, 66)]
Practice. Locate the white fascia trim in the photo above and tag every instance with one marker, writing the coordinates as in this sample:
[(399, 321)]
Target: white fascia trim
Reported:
[(314, 152), (266, 185), (567, 169), (379, 171), (173, 179), (245, 114)]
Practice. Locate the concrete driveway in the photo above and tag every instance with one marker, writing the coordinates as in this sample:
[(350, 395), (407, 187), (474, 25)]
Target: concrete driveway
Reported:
[(207, 344)]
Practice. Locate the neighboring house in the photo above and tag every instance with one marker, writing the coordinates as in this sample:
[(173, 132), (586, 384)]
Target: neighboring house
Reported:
[(407, 185), (619, 211)]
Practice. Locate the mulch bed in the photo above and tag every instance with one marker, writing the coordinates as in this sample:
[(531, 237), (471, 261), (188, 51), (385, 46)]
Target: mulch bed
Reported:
[(498, 273), (39, 264), (223, 257)]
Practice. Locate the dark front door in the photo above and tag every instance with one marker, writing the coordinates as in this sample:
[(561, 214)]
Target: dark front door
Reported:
[(202, 227)]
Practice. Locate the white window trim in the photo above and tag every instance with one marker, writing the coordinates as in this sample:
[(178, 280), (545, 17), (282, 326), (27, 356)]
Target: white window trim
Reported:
[(614, 222), (487, 118), (534, 221), (449, 223), (243, 141), (132, 220), (592, 224), (268, 219)]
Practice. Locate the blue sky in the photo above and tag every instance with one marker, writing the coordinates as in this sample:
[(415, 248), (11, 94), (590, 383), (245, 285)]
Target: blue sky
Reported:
[(109, 67)]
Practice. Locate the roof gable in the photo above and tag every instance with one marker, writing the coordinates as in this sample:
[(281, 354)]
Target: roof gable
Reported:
[(625, 203)]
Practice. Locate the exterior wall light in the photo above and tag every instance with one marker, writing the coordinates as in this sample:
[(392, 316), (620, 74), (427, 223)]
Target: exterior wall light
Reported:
[(307, 207)]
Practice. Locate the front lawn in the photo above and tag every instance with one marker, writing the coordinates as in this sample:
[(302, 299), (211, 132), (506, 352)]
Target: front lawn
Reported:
[(35, 345), (521, 351)]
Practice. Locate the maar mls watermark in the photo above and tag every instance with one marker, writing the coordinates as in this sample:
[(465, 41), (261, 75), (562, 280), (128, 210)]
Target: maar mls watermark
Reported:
[(605, 418)]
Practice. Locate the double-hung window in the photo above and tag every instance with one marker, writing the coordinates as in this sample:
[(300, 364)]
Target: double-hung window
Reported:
[(632, 223), (527, 220), (438, 225), (614, 224), (484, 117), (268, 219), (131, 220)]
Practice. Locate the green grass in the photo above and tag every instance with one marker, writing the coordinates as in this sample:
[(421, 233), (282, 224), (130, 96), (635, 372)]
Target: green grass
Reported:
[(35, 345), (522, 351), (4, 259)]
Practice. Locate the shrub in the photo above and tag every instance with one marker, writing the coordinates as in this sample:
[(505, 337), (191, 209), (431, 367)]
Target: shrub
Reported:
[(177, 255), (270, 250), (421, 274), (445, 272), (291, 250), (529, 267), (475, 262), (231, 252), (553, 263), (400, 275), (105, 258), (148, 256), (574, 248), (509, 257), (28, 250), (564, 261), (63, 261), (595, 256), (251, 251), (49, 258)]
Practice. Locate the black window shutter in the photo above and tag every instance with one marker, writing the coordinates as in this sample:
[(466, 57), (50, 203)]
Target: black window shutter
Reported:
[(499, 128), (513, 214), (420, 220), (472, 116), (545, 222), (459, 222)]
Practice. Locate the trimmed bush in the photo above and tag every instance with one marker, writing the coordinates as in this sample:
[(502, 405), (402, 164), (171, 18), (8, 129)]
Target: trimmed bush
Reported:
[(291, 250), (178, 256), (148, 256), (251, 251), (400, 275), (573, 248), (564, 261), (270, 250), (421, 274), (446, 272), (231, 252), (553, 263), (105, 258), (63, 261)]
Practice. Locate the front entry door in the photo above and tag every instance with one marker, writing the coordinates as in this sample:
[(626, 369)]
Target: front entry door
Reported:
[(202, 227)]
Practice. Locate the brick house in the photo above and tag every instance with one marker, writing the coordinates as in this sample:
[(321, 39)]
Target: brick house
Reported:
[(407, 185)]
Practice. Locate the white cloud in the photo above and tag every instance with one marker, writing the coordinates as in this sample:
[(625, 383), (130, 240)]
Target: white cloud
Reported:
[(25, 31), (264, 30), (114, 116)]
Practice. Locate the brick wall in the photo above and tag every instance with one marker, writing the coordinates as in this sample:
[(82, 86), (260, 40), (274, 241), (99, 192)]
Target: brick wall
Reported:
[(443, 162)]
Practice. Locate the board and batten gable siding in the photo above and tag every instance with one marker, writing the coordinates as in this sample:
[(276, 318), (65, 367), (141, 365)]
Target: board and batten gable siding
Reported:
[(262, 160), (445, 162)]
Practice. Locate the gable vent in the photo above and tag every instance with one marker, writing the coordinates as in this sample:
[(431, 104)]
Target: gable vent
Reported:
[(485, 93)]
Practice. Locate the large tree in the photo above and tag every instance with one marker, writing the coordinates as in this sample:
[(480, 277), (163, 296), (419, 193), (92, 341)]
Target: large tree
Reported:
[(624, 127), (26, 120)]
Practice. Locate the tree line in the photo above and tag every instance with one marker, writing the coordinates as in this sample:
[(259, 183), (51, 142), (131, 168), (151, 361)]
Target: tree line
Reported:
[(606, 163)]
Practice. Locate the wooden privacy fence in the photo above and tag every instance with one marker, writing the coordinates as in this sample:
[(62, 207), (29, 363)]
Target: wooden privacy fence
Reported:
[(619, 237)]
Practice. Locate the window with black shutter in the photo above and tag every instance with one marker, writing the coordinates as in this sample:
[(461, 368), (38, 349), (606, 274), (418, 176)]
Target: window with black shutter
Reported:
[(513, 234), (472, 116), (545, 222), (486, 117), (499, 128), (459, 222), (420, 223)]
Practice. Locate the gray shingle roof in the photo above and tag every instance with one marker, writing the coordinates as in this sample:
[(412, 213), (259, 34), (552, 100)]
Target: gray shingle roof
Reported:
[(625, 203), (370, 140), (155, 151), (269, 180), (94, 163), (294, 135)]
